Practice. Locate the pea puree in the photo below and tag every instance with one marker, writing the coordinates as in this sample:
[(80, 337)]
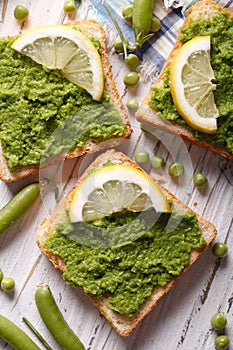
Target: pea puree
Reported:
[(220, 28), (127, 255), (36, 107)]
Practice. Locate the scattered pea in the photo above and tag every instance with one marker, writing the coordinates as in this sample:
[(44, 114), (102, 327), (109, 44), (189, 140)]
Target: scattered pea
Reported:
[(141, 157), (199, 179), (21, 12), (131, 78), (8, 284), (155, 25), (118, 45), (1, 275), (132, 61), (176, 169), (220, 249), (69, 6), (218, 321), (157, 162), (221, 342), (132, 103), (127, 12)]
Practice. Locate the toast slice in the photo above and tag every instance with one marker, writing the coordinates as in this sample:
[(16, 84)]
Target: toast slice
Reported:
[(93, 30), (124, 325), (153, 117)]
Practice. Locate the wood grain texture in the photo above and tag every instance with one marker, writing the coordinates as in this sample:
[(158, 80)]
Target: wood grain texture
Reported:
[(181, 321)]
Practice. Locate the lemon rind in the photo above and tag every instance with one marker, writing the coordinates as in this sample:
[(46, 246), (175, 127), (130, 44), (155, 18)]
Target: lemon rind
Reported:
[(52, 31), (119, 172), (206, 125)]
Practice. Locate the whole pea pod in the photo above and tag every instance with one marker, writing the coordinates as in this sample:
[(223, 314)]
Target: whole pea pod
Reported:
[(141, 20), (15, 336), (18, 205), (54, 320)]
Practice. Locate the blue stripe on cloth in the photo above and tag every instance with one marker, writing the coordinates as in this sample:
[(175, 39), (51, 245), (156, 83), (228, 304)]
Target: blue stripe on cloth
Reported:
[(102, 16)]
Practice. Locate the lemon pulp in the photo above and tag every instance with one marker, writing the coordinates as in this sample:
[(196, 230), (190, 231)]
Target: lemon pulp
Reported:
[(113, 188), (67, 49), (191, 85)]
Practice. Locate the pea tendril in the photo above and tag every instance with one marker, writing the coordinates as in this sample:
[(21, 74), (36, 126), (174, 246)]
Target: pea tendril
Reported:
[(123, 39), (37, 334)]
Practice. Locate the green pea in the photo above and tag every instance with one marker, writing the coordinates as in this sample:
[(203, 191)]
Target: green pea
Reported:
[(131, 78), (199, 179), (15, 336), (132, 103), (132, 61), (155, 25), (69, 6), (8, 284), (54, 320), (127, 12), (1, 275), (118, 44), (220, 249), (218, 321), (157, 162), (221, 342), (21, 12), (176, 169), (141, 157)]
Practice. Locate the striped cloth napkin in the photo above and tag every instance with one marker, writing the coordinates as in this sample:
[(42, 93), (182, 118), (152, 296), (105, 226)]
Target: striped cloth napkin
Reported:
[(171, 13)]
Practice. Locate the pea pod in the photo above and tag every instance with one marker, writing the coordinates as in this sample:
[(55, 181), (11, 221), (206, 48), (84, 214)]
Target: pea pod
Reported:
[(141, 20), (142, 16), (54, 320), (15, 336), (18, 205)]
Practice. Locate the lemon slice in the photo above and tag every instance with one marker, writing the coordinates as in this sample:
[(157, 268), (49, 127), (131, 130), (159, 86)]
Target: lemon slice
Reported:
[(67, 49), (191, 85), (112, 189)]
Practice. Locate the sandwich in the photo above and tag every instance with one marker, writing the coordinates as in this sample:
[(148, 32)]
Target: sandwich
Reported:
[(123, 239), (192, 96), (58, 99)]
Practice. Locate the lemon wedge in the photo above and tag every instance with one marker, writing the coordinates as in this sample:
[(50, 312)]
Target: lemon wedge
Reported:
[(191, 78), (65, 48), (113, 188)]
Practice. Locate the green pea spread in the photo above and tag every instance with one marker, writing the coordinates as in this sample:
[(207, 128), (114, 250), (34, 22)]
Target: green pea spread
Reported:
[(42, 113), (127, 255), (220, 28)]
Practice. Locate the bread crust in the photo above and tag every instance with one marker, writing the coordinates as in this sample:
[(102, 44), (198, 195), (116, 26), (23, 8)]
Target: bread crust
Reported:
[(122, 324), (92, 29), (149, 116)]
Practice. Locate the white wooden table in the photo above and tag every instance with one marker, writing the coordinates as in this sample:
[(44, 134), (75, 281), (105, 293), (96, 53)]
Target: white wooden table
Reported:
[(181, 321)]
